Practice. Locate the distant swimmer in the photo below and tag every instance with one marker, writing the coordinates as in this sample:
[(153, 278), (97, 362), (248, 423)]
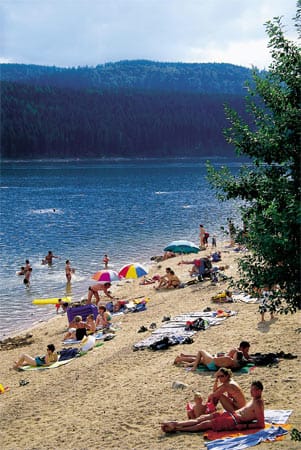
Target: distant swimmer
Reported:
[(106, 260), (48, 258)]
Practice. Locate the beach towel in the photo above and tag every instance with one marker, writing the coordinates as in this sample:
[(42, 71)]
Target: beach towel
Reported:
[(52, 366), (178, 332), (58, 363), (250, 440), (277, 416), (98, 336), (244, 369)]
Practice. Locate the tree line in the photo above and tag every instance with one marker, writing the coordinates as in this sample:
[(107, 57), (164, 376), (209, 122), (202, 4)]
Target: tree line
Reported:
[(47, 121)]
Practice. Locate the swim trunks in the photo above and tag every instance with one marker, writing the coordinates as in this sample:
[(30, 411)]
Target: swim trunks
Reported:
[(224, 421), (212, 366), (40, 361)]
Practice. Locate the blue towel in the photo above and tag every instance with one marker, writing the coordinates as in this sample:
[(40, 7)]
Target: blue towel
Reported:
[(250, 440)]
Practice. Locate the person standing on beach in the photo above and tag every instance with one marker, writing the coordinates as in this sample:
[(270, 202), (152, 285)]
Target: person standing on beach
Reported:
[(202, 237), (93, 291), (106, 260), (69, 271)]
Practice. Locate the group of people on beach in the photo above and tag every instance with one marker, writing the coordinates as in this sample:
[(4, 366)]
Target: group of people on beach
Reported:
[(237, 414), (27, 269)]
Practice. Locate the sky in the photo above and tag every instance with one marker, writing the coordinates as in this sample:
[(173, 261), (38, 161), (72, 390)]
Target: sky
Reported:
[(72, 33)]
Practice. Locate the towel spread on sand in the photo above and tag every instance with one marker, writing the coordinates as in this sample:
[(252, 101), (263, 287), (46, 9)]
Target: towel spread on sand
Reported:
[(52, 366), (245, 369), (176, 328), (250, 440), (278, 416)]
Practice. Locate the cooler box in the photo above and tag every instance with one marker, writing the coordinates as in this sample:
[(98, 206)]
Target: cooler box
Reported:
[(83, 311)]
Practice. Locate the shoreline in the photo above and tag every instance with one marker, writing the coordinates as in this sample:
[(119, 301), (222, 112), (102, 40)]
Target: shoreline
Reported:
[(128, 393)]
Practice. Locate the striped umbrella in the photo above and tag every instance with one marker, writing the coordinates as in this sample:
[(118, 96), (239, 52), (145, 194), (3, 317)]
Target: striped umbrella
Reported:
[(134, 270), (106, 276)]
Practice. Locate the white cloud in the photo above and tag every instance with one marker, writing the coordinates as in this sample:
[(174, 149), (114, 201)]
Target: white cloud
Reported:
[(91, 32)]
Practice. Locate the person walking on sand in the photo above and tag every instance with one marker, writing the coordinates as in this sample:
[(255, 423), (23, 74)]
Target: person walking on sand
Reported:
[(249, 416), (106, 260)]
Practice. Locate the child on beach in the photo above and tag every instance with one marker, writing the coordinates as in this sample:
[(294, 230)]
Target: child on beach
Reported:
[(265, 304), (103, 320), (90, 324), (76, 324)]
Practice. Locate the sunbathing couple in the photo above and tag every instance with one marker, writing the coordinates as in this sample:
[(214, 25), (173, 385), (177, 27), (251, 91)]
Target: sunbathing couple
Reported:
[(169, 280), (250, 415), (234, 359)]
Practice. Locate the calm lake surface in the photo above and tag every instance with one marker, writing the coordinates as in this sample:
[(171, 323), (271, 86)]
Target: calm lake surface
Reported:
[(83, 209)]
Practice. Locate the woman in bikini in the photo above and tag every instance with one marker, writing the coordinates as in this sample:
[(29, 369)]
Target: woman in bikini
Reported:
[(225, 390)]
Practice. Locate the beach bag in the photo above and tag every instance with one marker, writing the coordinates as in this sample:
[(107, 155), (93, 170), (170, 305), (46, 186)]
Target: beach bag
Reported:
[(88, 343), (139, 307), (161, 344)]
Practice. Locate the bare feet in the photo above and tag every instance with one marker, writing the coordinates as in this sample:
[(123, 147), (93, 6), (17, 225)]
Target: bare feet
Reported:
[(178, 360), (168, 427)]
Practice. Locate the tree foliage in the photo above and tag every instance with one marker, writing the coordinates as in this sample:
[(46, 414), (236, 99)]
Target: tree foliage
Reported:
[(269, 187)]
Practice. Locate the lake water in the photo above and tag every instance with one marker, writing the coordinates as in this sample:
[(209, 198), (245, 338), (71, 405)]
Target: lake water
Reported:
[(83, 209)]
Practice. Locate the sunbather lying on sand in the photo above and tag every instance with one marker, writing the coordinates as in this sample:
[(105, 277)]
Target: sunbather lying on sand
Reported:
[(25, 360), (249, 416), (225, 390), (214, 362), (243, 347)]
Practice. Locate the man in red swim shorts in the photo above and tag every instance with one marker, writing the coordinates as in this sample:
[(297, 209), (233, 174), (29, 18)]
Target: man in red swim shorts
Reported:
[(249, 416)]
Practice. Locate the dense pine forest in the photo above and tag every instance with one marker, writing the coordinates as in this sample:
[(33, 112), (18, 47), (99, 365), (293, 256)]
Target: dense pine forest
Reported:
[(125, 109)]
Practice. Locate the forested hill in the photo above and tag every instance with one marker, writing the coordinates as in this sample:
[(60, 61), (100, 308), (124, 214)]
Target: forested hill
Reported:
[(129, 108)]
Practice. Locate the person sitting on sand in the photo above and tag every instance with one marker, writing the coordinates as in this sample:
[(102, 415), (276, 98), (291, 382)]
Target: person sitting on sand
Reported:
[(25, 360), (90, 324), (76, 324), (250, 416), (244, 348), (174, 281), (103, 319), (93, 290), (225, 390), (163, 281)]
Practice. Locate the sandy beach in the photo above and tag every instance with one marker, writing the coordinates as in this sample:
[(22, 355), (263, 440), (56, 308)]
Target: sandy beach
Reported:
[(115, 397)]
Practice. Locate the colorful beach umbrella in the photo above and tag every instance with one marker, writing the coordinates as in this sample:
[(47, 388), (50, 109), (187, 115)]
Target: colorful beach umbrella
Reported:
[(106, 276), (134, 270), (182, 246)]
